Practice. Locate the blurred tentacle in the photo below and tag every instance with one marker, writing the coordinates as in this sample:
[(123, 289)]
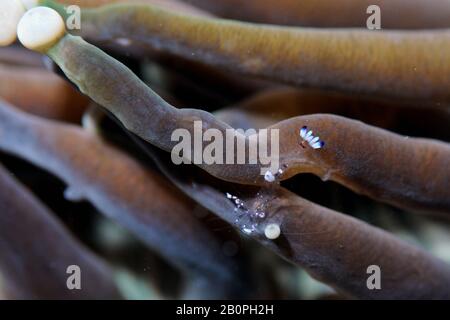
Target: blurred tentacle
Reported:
[(395, 14), (36, 250), (41, 92), (124, 190), (15, 55), (271, 106)]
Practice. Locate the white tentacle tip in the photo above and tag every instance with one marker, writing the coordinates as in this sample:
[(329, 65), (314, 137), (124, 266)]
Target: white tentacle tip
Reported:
[(272, 231), (40, 28), (10, 13)]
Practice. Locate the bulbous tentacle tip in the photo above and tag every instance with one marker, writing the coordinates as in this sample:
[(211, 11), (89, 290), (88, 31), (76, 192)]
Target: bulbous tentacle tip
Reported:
[(272, 231), (10, 13), (40, 28)]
